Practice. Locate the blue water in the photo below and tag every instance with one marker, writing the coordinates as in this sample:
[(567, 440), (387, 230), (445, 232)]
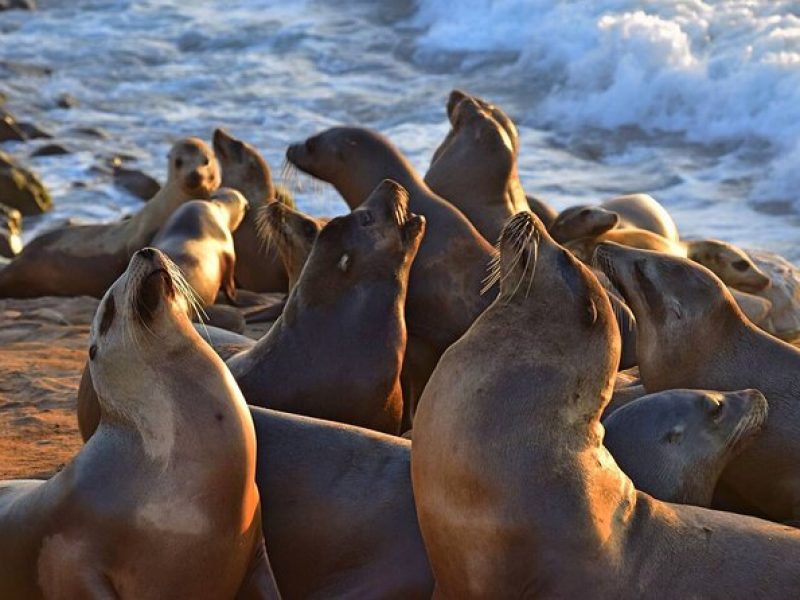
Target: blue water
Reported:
[(697, 103)]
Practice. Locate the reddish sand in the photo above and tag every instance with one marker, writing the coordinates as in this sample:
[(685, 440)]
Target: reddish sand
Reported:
[(43, 346)]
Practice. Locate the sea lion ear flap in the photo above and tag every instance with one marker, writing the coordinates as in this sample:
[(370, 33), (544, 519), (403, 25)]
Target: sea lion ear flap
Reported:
[(591, 312)]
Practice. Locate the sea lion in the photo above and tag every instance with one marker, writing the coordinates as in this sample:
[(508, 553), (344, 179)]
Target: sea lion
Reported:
[(583, 247), (679, 304), (783, 293), (475, 167), (447, 277), (85, 260), (243, 168), (291, 233), (634, 211), (731, 264), (675, 444), (162, 501), (516, 495), (350, 293), (339, 512), (197, 238)]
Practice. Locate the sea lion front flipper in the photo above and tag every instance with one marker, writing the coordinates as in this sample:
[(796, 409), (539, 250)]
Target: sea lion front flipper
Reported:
[(259, 583)]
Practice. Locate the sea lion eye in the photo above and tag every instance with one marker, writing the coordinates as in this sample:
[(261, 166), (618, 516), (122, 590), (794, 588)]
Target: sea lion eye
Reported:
[(92, 351), (365, 218), (674, 435), (205, 161), (178, 163), (309, 230), (741, 265)]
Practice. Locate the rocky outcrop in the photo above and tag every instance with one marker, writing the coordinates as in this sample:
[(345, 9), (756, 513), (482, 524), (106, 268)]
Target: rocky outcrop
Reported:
[(21, 188)]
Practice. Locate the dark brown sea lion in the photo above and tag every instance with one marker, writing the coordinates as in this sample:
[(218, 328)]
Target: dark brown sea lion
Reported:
[(681, 305), (86, 259), (446, 280), (162, 501), (516, 494), (674, 444), (321, 357), (197, 238), (475, 167), (338, 510), (258, 269)]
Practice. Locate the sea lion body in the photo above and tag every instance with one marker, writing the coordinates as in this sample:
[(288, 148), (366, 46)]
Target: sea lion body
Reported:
[(320, 357), (516, 495), (198, 239), (584, 247), (338, 510), (258, 269), (475, 167), (675, 444), (80, 260), (679, 304), (447, 277), (145, 510)]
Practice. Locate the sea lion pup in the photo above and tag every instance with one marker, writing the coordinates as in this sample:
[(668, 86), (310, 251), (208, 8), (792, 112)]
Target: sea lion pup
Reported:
[(351, 292), (162, 501), (197, 238), (339, 512), (675, 444), (475, 167), (86, 259), (292, 233), (634, 211), (244, 169), (678, 305), (516, 495), (446, 280), (731, 264)]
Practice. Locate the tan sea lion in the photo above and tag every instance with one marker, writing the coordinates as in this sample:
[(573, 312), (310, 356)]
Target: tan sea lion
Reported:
[(258, 269), (291, 233), (516, 495), (198, 239), (86, 259), (783, 293), (351, 293), (634, 211), (678, 305), (338, 510), (475, 167), (731, 264), (446, 280), (674, 444), (162, 501)]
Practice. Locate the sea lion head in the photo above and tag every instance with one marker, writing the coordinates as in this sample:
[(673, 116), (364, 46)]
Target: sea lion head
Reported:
[(673, 299), (479, 153), (377, 241), (349, 158), (582, 221), (193, 166), (533, 269), (292, 232), (690, 434), (233, 203), (141, 320), (730, 264), (243, 168)]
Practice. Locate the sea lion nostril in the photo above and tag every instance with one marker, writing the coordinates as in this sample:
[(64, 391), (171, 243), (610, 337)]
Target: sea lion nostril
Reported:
[(148, 253)]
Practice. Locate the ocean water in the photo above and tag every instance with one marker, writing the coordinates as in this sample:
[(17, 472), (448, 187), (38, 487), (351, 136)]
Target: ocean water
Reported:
[(696, 103)]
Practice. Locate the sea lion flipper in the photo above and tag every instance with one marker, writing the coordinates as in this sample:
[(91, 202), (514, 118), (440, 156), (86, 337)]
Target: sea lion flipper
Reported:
[(259, 583)]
